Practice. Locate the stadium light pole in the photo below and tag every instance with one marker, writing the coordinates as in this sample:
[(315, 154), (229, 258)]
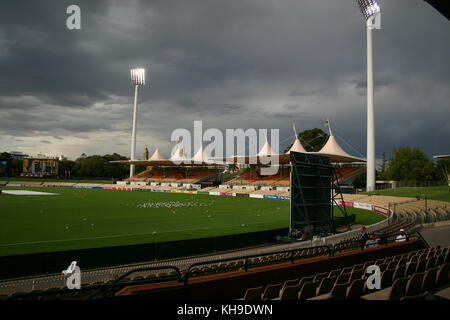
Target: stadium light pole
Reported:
[(138, 79), (371, 12)]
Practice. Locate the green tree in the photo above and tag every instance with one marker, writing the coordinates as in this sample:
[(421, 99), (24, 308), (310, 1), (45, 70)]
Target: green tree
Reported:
[(383, 164), (16, 167), (312, 140), (410, 164), (66, 165), (100, 167)]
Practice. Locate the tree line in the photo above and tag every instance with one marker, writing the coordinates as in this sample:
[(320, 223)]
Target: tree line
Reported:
[(96, 166)]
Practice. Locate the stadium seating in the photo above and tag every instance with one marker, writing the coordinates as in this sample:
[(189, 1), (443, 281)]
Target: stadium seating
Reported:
[(254, 177), (399, 286), (177, 174), (346, 174), (343, 283)]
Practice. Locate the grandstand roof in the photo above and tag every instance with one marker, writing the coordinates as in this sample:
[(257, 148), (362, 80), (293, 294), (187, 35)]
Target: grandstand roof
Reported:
[(200, 156), (165, 163), (296, 147), (156, 156), (266, 150), (265, 156), (333, 150), (178, 154)]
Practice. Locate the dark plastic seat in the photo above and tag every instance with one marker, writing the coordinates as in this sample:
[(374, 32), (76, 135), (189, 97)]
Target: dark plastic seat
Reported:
[(442, 274), (356, 274), (414, 285), (399, 272), (440, 260), (398, 289), (431, 263), (347, 270), (289, 293), (326, 285), (253, 294), (421, 265), (334, 273), (386, 278), (320, 276), (292, 282), (305, 279), (429, 280), (355, 290), (339, 291), (410, 268), (420, 296), (357, 267), (272, 291), (343, 278), (308, 290)]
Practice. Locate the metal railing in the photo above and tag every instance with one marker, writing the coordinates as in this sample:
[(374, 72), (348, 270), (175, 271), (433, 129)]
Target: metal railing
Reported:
[(104, 287), (110, 288), (116, 283), (246, 265), (385, 239)]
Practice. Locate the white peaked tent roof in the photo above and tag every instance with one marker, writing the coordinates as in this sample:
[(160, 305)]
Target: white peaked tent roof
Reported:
[(156, 156), (332, 147), (333, 150), (178, 154), (266, 150), (296, 147), (443, 156), (200, 156)]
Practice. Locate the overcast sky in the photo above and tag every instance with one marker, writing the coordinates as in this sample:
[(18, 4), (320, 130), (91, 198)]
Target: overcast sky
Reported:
[(232, 64)]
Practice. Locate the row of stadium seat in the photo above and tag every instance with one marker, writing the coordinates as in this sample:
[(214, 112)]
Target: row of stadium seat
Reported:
[(408, 275), (255, 178), (182, 175)]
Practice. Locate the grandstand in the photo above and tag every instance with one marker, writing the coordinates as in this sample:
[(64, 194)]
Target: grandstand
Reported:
[(347, 167), (200, 168), (254, 178)]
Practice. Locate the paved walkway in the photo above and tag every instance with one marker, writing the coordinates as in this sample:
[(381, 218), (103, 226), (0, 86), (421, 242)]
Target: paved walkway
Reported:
[(439, 236)]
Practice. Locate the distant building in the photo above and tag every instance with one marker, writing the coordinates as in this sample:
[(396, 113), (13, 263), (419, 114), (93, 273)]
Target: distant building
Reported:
[(4, 164), (40, 166), (17, 155)]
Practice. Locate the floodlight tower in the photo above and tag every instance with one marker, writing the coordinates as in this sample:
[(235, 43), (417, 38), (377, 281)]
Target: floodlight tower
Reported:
[(371, 12), (138, 79)]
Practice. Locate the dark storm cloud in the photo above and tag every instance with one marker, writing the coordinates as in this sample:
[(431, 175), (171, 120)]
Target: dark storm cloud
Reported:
[(251, 63)]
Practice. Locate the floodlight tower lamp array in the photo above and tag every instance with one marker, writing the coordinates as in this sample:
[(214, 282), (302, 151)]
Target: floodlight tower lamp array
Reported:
[(138, 79)]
